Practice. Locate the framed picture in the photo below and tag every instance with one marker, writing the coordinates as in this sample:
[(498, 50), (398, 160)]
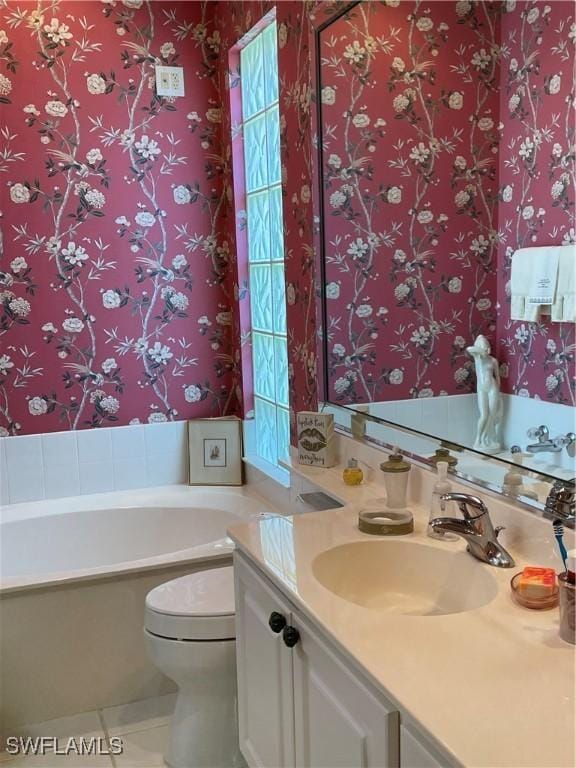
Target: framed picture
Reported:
[(215, 451)]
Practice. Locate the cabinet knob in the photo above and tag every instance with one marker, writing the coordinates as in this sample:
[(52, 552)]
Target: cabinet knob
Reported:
[(276, 622), (290, 636)]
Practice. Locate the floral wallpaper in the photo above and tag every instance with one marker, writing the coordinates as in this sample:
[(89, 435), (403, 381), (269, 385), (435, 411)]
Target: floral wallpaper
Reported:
[(537, 184), (409, 98), (116, 286)]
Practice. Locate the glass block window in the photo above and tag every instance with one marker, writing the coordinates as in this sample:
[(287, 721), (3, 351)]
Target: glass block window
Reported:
[(261, 131)]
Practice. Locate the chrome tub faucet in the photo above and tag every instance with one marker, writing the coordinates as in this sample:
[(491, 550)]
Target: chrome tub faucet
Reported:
[(476, 529), (561, 502)]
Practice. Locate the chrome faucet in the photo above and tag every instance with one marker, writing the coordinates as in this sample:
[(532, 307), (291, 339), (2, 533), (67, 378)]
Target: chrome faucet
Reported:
[(561, 501), (546, 445), (476, 529)]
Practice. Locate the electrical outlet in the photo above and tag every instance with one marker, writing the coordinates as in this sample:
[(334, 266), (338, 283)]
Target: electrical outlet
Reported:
[(170, 81)]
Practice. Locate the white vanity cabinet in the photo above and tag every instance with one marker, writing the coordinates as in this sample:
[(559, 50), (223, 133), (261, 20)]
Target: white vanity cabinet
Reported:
[(301, 705)]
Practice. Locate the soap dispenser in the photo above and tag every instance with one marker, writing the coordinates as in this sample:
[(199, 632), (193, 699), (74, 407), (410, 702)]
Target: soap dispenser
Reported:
[(513, 483), (396, 472), (352, 474), (442, 486)]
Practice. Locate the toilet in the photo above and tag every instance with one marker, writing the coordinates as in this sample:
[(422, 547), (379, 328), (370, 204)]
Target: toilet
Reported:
[(189, 634)]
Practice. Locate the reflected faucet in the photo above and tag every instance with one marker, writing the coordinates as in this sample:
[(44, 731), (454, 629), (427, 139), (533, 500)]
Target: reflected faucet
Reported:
[(476, 529), (546, 445), (561, 501)]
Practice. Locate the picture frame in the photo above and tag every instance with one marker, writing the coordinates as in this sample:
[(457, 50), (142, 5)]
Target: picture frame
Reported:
[(215, 451)]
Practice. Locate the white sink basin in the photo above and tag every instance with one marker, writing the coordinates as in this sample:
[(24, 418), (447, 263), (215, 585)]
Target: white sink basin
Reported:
[(393, 576)]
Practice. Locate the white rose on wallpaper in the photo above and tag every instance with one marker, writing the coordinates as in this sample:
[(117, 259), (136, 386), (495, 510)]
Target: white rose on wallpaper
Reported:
[(179, 301), (420, 336), (96, 85), (37, 406), (214, 115), (507, 193), (224, 318), (95, 198), (5, 85), (56, 108), (396, 376), (357, 248), (424, 24), (20, 307), (361, 120), (328, 95), (147, 147), (455, 285), (526, 148), (460, 162), (528, 212), (160, 353), (481, 59), (461, 375), (463, 8), (485, 123), (109, 404), (5, 364), (456, 100), (514, 102), (93, 156), (19, 264), (462, 198), (109, 365), (400, 103), (49, 328), (73, 325), (57, 32), (557, 189), (338, 350), (192, 394), (282, 35), (425, 217), (135, 4), (341, 385), (533, 15), (167, 49), (554, 84), (419, 153), (364, 310), (144, 219), (19, 193), (394, 195), (111, 299), (335, 162), (354, 52), (392, 3), (337, 199), (157, 418), (459, 342), (74, 254), (398, 64), (332, 291), (401, 291), (483, 304), (179, 261), (182, 195), (305, 194), (551, 382)]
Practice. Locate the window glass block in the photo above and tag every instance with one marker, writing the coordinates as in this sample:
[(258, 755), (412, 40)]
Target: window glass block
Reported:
[(258, 227), (283, 432), (270, 53), (263, 360), (261, 306), (252, 74), (276, 225), (281, 370), (279, 298), (266, 434), (255, 153), (273, 144)]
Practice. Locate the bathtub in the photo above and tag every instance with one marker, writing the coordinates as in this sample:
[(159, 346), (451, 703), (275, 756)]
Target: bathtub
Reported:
[(74, 574)]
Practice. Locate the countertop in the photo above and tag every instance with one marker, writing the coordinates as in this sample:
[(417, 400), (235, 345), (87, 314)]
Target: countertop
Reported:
[(492, 687)]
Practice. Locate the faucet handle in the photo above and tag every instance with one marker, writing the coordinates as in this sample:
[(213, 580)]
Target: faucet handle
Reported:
[(538, 433), (464, 500)]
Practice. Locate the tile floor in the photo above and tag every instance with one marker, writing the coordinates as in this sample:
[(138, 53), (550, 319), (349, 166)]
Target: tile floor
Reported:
[(142, 726)]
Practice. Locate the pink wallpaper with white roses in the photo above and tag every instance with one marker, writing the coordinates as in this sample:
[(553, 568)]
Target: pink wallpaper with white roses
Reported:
[(116, 291), (537, 184), (409, 95)]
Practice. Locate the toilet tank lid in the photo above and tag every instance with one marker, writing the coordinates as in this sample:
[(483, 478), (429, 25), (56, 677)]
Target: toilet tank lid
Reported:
[(204, 593)]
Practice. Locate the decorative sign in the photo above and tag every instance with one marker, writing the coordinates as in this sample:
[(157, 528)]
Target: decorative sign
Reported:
[(316, 441)]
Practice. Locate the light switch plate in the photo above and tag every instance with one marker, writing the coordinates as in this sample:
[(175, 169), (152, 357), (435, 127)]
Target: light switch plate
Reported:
[(170, 81)]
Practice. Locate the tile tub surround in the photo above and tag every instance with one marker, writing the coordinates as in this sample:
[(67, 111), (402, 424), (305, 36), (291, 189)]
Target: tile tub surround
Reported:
[(60, 464), (511, 659), (76, 644)]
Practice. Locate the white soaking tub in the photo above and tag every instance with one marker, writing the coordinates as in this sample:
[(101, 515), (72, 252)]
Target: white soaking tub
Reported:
[(74, 574)]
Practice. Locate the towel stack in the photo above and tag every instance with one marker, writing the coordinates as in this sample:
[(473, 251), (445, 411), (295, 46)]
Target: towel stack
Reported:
[(544, 283)]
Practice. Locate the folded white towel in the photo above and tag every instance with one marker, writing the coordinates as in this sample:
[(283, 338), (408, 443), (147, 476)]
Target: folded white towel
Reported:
[(564, 306), (533, 282)]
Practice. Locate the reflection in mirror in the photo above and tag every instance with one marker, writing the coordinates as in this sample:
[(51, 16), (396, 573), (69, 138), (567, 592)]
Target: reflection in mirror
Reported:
[(447, 222)]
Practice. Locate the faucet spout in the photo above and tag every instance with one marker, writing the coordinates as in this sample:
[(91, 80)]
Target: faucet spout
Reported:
[(477, 530)]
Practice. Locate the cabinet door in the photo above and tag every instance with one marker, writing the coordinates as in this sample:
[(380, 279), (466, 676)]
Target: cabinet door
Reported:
[(339, 723), (264, 663), (413, 754)]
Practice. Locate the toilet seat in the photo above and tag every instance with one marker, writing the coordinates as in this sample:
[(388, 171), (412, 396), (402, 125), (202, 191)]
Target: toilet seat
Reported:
[(199, 606)]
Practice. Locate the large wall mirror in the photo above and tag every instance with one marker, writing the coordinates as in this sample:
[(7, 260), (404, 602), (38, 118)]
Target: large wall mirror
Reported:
[(447, 144)]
